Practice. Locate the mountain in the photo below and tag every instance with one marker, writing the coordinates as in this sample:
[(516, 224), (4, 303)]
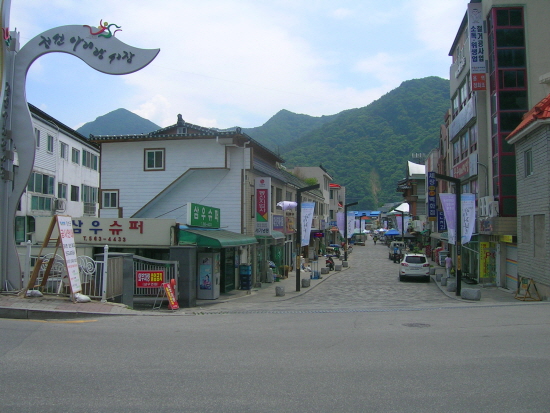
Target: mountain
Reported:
[(286, 127), (118, 122), (366, 149)]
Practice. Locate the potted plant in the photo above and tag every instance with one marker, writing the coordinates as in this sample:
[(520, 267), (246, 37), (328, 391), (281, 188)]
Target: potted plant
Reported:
[(284, 270)]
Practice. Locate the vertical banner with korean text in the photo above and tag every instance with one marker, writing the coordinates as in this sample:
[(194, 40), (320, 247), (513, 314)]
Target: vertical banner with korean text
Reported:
[(448, 202), (262, 188), (432, 206), (477, 49), (468, 211), (65, 225), (307, 219), (340, 221), (350, 223)]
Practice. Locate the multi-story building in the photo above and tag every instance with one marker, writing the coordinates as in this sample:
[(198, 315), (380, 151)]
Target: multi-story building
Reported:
[(65, 176), (532, 142), (162, 173), (498, 56)]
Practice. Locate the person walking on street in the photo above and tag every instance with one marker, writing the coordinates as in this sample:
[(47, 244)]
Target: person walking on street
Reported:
[(448, 265)]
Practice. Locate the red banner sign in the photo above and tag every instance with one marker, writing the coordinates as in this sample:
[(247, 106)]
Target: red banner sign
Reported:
[(171, 295), (149, 279)]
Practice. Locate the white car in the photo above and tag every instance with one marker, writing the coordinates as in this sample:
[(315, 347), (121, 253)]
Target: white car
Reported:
[(414, 266)]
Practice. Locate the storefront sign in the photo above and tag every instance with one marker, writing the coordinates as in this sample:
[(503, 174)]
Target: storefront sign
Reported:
[(66, 233), (477, 48), (432, 206), (149, 279), (278, 223), (203, 216), (171, 295), (290, 226), (115, 231), (263, 206), (441, 223), (484, 256)]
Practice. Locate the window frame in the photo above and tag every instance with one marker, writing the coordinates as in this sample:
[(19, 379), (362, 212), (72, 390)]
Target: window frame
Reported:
[(50, 144), (75, 154), (110, 193), (528, 163), (75, 193), (146, 152), (62, 190), (63, 150)]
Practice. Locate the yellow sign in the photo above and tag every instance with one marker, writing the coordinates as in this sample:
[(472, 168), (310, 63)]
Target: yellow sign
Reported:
[(484, 254)]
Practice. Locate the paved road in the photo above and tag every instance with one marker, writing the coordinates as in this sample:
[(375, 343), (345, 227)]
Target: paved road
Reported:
[(370, 282)]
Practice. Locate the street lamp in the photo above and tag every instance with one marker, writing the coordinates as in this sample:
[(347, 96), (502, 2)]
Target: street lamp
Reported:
[(346, 229), (299, 228)]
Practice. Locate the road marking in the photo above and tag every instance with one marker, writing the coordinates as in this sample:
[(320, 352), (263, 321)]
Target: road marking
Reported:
[(63, 321)]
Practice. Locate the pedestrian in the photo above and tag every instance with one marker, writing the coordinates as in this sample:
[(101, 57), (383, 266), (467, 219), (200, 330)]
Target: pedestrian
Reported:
[(448, 265)]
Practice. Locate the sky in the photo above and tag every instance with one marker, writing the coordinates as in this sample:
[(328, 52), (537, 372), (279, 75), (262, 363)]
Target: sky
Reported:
[(226, 63)]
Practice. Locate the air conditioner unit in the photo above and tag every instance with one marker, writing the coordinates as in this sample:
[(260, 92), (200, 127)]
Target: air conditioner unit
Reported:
[(483, 205), (493, 209), (59, 204)]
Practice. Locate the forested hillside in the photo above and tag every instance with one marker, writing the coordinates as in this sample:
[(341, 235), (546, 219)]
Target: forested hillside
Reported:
[(366, 149), (285, 127), (118, 122)]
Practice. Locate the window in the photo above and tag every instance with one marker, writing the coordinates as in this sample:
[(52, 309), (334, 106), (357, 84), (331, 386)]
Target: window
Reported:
[(63, 150), (456, 152), (464, 142), (40, 183), (89, 160), (50, 143), (89, 194), (528, 162), (75, 156), (41, 203), (37, 135), (473, 139), (154, 159), (109, 199), (62, 190), (75, 193)]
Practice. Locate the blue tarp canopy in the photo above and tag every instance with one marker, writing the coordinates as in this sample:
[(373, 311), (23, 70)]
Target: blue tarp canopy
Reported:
[(392, 232)]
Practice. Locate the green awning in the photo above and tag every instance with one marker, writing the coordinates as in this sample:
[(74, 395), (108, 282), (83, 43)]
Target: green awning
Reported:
[(274, 235), (214, 238)]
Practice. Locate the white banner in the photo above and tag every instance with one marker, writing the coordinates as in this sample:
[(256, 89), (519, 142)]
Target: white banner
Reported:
[(351, 223), (307, 218), (65, 225), (340, 221), (448, 202), (468, 211)]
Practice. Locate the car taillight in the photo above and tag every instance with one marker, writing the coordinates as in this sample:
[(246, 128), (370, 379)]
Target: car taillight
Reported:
[(426, 265), (404, 264)]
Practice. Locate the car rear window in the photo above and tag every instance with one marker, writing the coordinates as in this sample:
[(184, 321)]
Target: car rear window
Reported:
[(415, 260)]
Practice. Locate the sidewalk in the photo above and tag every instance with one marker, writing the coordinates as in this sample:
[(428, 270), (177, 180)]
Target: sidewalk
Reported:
[(60, 307)]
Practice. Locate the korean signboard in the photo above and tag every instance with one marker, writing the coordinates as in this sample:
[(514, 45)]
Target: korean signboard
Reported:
[(115, 231), (149, 279), (203, 216), (477, 49), (65, 226), (263, 206), (432, 206)]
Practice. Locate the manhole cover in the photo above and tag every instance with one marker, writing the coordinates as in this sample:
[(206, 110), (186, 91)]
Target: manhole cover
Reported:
[(420, 325)]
